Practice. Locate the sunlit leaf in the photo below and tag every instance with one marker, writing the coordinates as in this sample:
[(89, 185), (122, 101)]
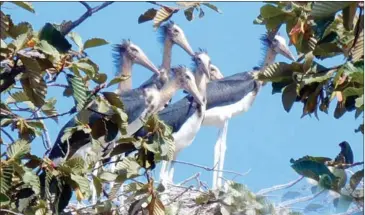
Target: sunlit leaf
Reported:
[(108, 176), (94, 42), (117, 80), (18, 149), (147, 16), (32, 179), (83, 184), (79, 91), (162, 15), (211, 6), (325, 9), (16, 97), (76, 38), (25, 5)]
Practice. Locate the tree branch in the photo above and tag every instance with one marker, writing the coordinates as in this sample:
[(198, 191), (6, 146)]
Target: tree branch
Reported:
[(45, 137), (210, 168), (73, 110), (90, 11), (279, 187), (301, 199), (8, 135)]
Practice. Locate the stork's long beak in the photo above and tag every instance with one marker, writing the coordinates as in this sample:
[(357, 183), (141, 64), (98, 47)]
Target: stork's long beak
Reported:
[(285, 51), (145, 61), (193, 90), (184, 44)]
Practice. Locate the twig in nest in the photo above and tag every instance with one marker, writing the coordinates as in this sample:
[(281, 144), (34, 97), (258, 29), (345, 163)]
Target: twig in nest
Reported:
[(279, 187)]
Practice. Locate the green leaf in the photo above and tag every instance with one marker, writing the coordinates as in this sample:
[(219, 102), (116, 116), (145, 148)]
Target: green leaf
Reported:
[(325, 9), (108, 176), (6, 175), (163, 14), (100, 78), (113, 99), (348, 16), (21, 28), (16, 97), (77, 164), (156, 207), (25, 5), (359, 102), (309, 167), (19, 42), (117, 80), (356, 178), (278, 72), (48, 49), (83, 184), (147, 16), (32, 179), (54, 37), (352, 91), (289, 96), (87, 68), (3, 199), (325, 50), (189, 13), (358, 51), (268, 11), (98, 186), (33, 83), (213, 7), (76, 38), (78, 90), (18, 149), (94, 42), (49, 108)]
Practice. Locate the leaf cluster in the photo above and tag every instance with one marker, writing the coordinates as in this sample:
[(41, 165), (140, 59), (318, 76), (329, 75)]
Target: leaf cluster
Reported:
[(318, 32)]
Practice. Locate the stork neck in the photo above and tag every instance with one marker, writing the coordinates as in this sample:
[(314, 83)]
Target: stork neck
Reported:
[(269, 58), (201, 82), (126, 70), (168, 90), (166, 61)]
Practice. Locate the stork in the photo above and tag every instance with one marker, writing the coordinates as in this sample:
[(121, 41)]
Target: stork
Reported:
[(185, 116), (125, 55), (170, 34), (234, 95)]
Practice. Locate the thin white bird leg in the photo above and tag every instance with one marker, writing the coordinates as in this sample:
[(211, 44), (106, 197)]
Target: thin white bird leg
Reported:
[(171, 172), (217, 148), (222, 153)]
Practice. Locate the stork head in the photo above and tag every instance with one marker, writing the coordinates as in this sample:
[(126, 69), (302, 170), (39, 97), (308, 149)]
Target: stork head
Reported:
[(173, 32), (279, 45), (130, 51), (202, 63), (215, 73), (186, 80)]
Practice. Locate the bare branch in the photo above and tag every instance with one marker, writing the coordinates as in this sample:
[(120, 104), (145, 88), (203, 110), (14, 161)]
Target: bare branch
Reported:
[(345, 165), (209, 168), (73, 110), (11, 212), (86, 5), (86, 15), (301, 199), (8, 135), (279, 187)]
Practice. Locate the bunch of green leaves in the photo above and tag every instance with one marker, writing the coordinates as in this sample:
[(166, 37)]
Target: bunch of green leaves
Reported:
[(330, 174), (164, 13), (318, 32)]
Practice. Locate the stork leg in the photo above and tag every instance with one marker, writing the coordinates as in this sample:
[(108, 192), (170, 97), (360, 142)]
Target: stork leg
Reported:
[(222, 153), (219, 149)]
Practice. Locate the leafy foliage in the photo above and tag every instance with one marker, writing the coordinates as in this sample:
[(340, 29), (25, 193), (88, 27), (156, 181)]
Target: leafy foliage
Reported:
[(318, 32)]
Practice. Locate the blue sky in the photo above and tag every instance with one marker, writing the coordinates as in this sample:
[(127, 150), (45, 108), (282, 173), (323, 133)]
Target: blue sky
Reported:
[(263, 139)]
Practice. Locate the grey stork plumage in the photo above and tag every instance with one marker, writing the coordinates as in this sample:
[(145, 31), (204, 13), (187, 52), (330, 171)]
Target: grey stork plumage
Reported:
[(185, 116), (125, 55), (230, 101)]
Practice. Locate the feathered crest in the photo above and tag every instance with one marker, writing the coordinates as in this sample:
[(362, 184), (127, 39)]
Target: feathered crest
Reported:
[(266, 43), (162, 31), (118, 52), (200, 51), (178, 70)]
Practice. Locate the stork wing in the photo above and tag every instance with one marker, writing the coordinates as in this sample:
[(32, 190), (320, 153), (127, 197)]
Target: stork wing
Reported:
[(230, 90)]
